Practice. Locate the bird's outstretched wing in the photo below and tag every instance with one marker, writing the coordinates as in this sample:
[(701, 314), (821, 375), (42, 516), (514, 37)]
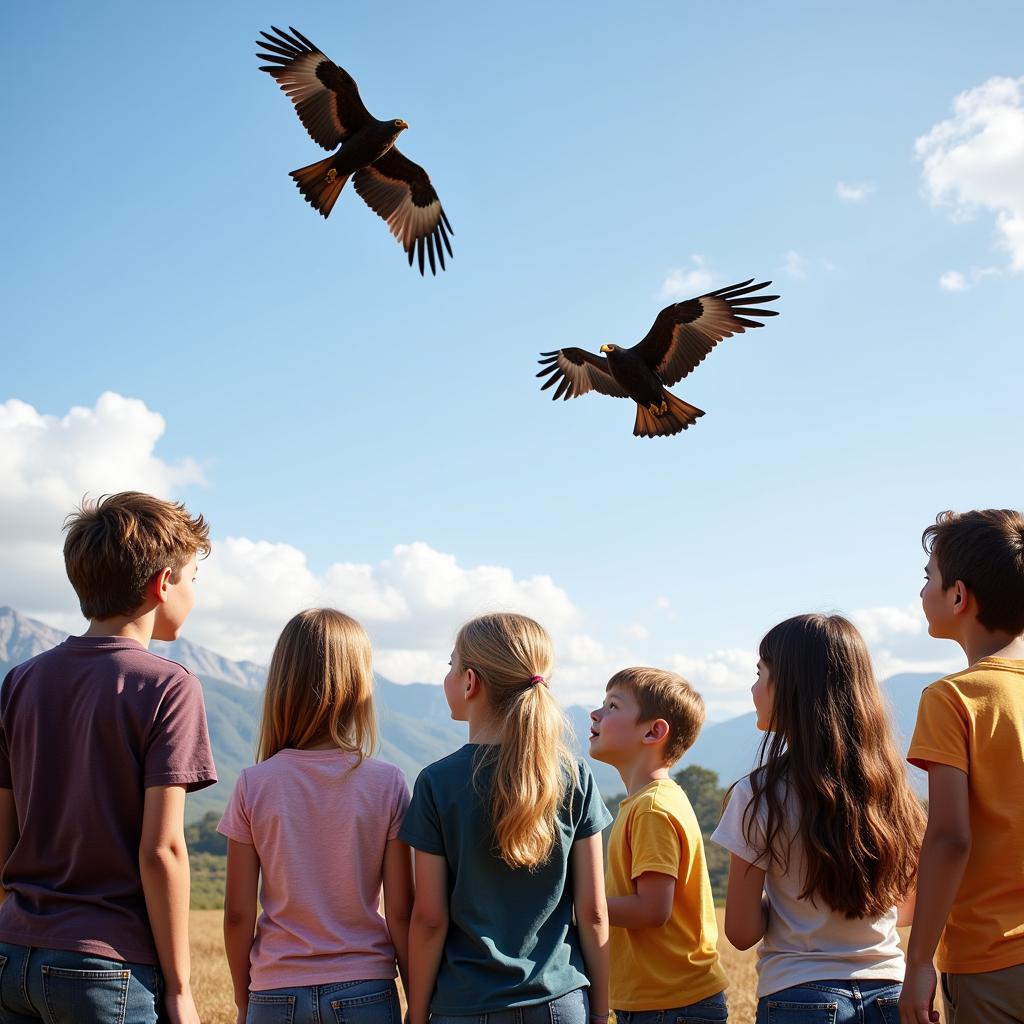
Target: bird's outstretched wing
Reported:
[(577, 372), (684, 333), (400, 192), (326, 97)]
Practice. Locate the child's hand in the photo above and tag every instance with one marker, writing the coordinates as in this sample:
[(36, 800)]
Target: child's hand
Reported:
[(917, 1000), (181, 1008), (243, 1012)]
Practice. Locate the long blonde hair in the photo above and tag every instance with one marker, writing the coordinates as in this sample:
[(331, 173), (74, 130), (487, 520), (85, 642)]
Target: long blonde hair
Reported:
[(319, 686), (533, 762)]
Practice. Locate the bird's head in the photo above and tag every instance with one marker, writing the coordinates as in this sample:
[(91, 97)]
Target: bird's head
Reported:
[(609, 348), (399, 125)]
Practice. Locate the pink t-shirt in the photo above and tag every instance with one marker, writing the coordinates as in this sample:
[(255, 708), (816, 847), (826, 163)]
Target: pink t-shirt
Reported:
[(319, 823)]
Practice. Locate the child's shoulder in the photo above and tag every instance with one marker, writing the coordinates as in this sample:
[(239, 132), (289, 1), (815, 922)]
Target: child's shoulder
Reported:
[(979, 681), (665, 797)]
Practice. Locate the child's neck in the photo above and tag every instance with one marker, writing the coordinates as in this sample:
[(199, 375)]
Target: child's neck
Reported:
[(641, 771), (979, 643), (483, 728), (129, 627)]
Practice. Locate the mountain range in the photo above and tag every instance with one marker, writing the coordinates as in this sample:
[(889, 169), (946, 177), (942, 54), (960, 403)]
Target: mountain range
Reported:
[(414, 721)]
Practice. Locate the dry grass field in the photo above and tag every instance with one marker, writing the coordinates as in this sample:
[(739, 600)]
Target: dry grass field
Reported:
[(212, 985)]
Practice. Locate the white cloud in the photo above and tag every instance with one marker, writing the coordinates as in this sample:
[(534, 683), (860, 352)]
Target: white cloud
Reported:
[(975, 159), (686, 282), (957, 281), (854, 193), (795, 265), (411, 601), (878, 625)]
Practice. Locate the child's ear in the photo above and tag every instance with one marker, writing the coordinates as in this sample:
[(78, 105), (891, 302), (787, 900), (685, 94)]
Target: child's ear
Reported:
[(472, 684), (160, 585), (960, 596), (656, 731)]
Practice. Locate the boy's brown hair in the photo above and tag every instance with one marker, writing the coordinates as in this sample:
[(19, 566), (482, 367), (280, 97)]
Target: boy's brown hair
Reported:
[(116, 545), (663, 694), (984, 549)]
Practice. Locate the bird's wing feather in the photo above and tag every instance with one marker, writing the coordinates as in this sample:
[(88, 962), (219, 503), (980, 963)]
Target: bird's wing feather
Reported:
[(684, 333), (326, 96), (400, 192), (577, 371)]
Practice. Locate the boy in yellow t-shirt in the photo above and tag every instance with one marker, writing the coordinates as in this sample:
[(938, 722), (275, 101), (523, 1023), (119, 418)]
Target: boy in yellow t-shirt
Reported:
[(664, 935), (970, 738)]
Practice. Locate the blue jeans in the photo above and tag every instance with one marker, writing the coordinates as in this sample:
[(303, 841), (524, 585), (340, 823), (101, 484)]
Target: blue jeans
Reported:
[(712, 1010), (572, 1008), (60, 987), (832, 1002), (343, 1002)]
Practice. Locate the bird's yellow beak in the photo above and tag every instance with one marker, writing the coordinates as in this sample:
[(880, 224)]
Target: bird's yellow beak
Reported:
[(606, 348)]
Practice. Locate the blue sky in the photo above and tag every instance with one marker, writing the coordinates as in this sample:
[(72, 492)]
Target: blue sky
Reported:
[(337, 405)]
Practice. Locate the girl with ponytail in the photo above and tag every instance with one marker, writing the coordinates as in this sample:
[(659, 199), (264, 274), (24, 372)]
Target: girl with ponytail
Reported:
[(510, 910)]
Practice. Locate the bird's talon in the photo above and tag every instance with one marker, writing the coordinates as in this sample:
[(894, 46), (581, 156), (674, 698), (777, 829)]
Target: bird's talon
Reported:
[(332, 176)]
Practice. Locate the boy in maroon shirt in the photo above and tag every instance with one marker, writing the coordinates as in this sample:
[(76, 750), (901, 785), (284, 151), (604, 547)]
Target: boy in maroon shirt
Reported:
[(99, 742)]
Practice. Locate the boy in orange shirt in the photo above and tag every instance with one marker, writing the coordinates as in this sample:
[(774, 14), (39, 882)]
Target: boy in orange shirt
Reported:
[(664, 935), (970, 739)]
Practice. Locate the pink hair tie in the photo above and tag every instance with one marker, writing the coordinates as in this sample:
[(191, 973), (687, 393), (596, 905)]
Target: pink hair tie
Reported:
[(538, 679)]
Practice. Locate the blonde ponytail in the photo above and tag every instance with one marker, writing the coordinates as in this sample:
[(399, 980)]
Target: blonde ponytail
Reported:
[(533, 762)]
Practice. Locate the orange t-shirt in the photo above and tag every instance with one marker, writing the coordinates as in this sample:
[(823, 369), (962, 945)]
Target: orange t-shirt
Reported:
[(974, 720)]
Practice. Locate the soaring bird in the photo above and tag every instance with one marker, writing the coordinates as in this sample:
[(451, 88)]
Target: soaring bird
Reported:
[(327, 101), (682, 335)]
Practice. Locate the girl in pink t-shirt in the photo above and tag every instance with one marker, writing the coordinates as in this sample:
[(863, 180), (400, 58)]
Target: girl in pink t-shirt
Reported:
[(314, 826)]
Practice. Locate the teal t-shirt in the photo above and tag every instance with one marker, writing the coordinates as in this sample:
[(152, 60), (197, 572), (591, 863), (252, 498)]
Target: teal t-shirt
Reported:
[(511, 938)]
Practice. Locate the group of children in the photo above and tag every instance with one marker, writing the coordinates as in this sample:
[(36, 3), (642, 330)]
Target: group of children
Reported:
[(486, 891)]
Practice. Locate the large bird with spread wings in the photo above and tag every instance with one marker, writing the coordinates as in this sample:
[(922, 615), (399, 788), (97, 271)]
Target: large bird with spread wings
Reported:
[(682, 335), (327, 101)]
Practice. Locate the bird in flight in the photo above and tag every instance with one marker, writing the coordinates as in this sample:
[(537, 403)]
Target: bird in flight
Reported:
[(327, 101), (682, 335)]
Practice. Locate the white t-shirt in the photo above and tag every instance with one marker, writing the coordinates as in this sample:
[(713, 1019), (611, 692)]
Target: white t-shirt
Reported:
[(806, 939)]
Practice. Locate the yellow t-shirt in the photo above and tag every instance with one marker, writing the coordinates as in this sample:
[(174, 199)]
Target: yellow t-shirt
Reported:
[(974, 720), (677, 964)]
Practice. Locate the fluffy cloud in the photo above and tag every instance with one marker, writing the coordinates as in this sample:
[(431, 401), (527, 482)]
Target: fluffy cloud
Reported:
[(854, 193), (975, 159), (47, 465), (684, 282), (953, 281), (411, 601), (957, 281), (795, 265)]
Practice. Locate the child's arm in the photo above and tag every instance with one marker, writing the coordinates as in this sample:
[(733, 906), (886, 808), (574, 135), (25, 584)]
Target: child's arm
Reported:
[(427, 931), (398, 895), (944, 853), (163, 865), (8, 830), (240, 895), (746, 910), (591, 910), (650, 906)]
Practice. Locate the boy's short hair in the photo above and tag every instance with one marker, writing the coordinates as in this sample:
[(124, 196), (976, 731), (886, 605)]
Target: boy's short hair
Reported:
[(663, 694), (984, 549), (116, 545)]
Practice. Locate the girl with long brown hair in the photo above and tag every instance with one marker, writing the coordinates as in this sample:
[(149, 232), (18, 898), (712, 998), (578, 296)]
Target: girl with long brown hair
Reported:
[(314, 826), (510, 909), (823, 834)]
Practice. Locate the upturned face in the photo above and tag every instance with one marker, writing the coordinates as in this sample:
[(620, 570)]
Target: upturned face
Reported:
[(171, 615), (615, 731), (455, 689), (761, 691), (936, 603)]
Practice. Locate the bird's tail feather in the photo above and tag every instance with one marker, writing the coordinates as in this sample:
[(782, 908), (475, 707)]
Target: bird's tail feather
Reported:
[(320, 184), (678, 415)]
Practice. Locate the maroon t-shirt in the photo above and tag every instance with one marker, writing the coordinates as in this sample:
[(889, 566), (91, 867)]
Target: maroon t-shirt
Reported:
[(84, 730)]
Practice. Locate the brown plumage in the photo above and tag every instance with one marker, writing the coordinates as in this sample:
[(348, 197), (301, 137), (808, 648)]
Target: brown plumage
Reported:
[(682, 335), (327, 101)]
